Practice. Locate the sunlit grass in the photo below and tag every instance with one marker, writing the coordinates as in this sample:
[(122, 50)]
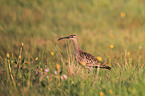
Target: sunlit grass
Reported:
[(51, 78), (33, 62)]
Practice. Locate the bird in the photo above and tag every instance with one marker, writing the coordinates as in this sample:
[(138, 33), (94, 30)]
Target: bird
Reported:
[(84, 58)]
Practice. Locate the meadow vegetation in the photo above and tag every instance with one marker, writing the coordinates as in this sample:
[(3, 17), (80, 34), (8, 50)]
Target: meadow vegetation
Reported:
[(33, 62)]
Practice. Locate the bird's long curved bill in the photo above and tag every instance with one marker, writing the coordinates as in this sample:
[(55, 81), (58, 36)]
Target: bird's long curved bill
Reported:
[(63, 38)]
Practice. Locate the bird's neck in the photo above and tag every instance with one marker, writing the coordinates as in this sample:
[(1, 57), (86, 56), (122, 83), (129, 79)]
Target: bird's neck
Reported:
[(76, 46)]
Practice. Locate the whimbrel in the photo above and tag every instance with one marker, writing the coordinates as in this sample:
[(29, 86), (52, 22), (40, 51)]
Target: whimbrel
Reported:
[(83, 57)]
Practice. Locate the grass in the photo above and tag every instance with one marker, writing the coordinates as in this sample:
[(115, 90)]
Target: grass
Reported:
[(41, 65)]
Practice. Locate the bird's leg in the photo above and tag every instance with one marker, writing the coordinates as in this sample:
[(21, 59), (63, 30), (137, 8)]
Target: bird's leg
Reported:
[(79, 67)]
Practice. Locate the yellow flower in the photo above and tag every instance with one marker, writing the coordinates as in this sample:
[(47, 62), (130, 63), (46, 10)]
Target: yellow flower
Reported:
[(110, 91), (22, 44), (111, 46), (57, 66), (41, 69), (36, 58), (142, 65), (101, 93), (19, 56), (128, 53), (8, 55), (67, 61), (83, 63), (99, 58), (52, 53), (122, 14)]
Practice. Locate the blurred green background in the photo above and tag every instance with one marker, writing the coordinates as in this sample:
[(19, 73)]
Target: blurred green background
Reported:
[(97, 24)]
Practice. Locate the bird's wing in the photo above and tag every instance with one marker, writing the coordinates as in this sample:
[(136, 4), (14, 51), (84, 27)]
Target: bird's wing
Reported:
[(92, 61), (87, 56)]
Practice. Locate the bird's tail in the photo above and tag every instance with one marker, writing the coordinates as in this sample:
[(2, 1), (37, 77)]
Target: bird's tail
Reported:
[(103, 65), (100, 65), (106, 67)]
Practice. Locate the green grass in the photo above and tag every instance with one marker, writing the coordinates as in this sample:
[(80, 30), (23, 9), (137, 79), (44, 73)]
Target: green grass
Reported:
[(97, 24)]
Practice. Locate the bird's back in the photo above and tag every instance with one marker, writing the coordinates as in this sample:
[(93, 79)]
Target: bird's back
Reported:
[(90, 60), (86, 57)]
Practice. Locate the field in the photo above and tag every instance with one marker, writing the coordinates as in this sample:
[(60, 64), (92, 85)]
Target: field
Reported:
[(34, 63)]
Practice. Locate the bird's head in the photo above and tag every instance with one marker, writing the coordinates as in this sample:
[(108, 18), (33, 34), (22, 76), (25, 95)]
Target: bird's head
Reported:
[(68, 37)]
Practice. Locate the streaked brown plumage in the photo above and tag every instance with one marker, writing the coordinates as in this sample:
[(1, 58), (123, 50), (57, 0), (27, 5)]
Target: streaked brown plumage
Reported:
[(81, 56)]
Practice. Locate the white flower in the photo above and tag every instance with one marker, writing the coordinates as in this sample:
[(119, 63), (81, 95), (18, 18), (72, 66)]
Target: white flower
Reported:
[(47, 70), (65, 76), (41, 73), (55, 72), (61, 77)]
